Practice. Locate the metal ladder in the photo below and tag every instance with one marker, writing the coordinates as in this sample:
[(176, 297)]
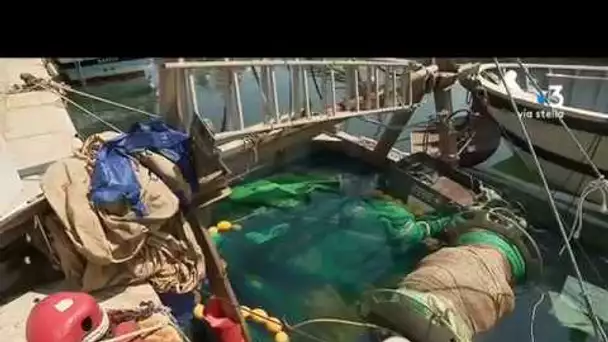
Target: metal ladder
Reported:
[(372, 87)]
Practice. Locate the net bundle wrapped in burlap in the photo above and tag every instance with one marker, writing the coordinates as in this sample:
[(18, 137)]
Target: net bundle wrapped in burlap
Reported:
[(110, 245), (472, 284)]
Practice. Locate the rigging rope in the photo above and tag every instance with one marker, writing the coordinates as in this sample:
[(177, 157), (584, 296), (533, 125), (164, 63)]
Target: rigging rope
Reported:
[(593, 147), (314, 80), (100, 99), (84, 110), (599, 184), (592, 151), (577, 224), (533, 314), (595, 321)]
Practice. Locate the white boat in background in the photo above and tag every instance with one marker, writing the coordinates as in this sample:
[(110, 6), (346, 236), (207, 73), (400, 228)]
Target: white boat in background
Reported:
[(96, 69), (579, 94)]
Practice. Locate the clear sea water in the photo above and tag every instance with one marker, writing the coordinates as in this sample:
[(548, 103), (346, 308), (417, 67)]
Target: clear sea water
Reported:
[(515, 327)]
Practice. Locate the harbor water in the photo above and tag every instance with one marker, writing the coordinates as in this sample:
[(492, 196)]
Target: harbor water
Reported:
[(515, 327)]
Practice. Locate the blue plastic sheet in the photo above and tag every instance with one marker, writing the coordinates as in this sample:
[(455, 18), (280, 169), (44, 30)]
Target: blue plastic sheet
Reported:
[(113, 176)]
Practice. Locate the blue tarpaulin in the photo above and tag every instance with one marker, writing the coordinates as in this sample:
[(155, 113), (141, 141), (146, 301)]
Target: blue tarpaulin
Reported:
[(113, 176)]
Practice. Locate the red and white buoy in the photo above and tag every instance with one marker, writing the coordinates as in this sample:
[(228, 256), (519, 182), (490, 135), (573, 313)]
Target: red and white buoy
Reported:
[(67, 317)]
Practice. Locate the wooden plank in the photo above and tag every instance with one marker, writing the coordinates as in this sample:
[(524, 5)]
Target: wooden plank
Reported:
[(211, 193), (354, 147), (239, 155), (216, 274)]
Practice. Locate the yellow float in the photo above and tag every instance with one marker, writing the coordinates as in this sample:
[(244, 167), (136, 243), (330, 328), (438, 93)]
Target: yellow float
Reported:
[(199, 311), (274, 325), (281, 337), (224, 226), (245, 312), (258, 315)]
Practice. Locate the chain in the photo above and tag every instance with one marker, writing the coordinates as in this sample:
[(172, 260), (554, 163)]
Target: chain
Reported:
[(145, 310)]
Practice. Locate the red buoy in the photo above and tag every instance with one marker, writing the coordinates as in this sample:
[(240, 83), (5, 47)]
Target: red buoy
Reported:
[(226, 329), (66, 317)]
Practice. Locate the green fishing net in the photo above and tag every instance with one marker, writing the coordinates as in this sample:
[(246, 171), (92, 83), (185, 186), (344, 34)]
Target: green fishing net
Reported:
[(305, 249)]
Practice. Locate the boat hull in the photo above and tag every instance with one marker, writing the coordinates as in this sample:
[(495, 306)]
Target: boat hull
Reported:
[(582, 104), (106, 69), (561, 159), (579, 95)]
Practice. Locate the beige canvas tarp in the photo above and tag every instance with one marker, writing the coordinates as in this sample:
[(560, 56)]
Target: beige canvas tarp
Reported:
[(110, 245)]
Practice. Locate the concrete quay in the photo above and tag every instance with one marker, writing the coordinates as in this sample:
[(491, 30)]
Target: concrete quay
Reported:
[(35, 130)]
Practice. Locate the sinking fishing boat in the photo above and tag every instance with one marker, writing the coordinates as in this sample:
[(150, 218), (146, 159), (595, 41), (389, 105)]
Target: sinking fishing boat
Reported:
[(287, 222)]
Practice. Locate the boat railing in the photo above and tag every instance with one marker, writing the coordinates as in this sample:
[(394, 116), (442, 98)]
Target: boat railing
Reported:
[(346, 88)]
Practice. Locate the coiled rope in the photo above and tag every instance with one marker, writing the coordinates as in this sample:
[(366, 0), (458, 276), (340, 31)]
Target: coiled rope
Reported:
[(101, 99), (465, 289)]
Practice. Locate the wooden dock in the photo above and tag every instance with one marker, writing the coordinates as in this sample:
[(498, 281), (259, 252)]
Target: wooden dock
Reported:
[(35, 131)]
